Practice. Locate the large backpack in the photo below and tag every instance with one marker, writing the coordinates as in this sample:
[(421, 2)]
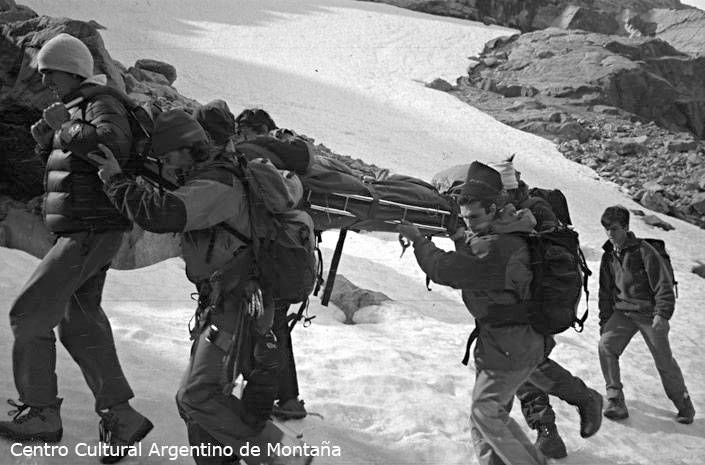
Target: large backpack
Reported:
[(556, 200), (141, 117), (660, 247), (287, 259), (560, 274)]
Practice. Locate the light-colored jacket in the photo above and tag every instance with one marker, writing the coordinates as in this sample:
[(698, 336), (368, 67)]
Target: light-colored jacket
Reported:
[(211, 195)]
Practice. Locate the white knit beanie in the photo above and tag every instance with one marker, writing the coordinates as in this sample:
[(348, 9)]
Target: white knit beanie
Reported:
[(66, 53), (506, 170)]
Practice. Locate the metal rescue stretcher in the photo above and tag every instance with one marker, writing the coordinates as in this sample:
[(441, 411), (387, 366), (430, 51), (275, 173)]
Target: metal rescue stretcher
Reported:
[(336, 197)]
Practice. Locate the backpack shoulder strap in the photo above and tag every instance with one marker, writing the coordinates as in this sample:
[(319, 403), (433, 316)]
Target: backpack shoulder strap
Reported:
[(237, 169), (659, 247), (87, 94)]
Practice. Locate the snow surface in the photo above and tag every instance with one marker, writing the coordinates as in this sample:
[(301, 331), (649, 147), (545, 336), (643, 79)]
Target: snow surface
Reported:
[(696, 3), (390, 389)]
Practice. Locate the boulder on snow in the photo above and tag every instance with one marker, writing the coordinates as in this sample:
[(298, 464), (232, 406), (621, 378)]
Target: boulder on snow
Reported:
[(653, 220), (440, 84), (145, 75), (156, 66), (586, 19), (683, 29), (699, 270), (96, 24), (350, 298)]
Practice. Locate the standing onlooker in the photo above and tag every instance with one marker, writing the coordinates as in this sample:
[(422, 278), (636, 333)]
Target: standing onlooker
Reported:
[(556, 380), (66, 288), (636, 295), (234, 317), (493, 271)]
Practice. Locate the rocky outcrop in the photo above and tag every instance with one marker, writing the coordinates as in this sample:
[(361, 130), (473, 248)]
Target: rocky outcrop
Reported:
[(11, 11), (683, 29), (645, 77), (619, 86), (532, 15), (663, 170)]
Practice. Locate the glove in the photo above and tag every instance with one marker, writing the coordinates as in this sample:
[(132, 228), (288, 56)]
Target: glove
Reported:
[(409, 231), (56, 115), (42, 133)]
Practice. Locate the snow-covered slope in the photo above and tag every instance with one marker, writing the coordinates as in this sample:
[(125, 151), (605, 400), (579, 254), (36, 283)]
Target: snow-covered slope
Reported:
[(391, 388)]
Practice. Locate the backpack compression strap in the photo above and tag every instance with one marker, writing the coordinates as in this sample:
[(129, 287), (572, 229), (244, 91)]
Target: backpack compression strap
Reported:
[(579, 324)]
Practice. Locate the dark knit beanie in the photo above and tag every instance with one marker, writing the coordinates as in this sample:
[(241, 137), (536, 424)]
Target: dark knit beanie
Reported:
[(175, 129), (482, 182), (217, 120)]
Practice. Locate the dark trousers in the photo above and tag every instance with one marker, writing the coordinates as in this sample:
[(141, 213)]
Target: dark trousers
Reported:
[(549, 378), (198, 435), (288, 381), (65, 291), (218, 417)]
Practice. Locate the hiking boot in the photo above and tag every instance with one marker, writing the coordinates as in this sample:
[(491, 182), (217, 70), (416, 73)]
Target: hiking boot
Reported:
[(292, 409), (38, 424), (686, 411), (590, 414), (120, 428), (616, 409), (549, 442)]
